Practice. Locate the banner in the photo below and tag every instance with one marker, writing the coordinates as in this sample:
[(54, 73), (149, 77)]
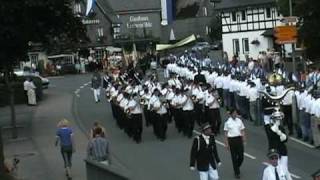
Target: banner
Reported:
[(189, 39), (90, 4)]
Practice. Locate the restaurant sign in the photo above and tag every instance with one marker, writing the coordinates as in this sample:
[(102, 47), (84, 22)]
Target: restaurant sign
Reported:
[(139, 22)]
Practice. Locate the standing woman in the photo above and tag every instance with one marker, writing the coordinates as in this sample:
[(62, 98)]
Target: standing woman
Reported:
[(64, 135), (234, 140)]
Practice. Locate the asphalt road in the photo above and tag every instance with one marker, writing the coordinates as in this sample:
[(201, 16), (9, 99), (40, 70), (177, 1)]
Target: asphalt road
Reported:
[(169, 160)]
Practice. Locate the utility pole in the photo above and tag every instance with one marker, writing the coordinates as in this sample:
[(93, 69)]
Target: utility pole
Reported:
[(293, 54)]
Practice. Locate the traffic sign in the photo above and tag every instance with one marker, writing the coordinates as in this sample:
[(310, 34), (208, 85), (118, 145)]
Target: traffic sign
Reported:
[(289, 19), (285, 34)]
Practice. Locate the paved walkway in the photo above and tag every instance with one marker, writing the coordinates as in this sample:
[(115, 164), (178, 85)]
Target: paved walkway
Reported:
[(39, 158)]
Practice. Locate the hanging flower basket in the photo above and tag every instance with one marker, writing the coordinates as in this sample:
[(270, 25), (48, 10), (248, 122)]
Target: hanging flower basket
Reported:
[(255, 42)]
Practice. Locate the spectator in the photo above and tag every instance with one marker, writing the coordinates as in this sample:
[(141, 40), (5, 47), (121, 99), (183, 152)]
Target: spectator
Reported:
[(95, 126), (98, 147), (64, 135)]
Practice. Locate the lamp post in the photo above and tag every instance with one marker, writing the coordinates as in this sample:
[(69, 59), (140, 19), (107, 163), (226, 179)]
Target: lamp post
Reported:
[(292, 45)]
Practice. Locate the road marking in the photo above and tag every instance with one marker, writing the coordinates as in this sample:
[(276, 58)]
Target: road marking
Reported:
[(82, 87), (222, 144), (301, 142), (292, 175)]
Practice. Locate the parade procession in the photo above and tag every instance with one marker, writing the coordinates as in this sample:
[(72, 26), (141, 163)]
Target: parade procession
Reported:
[(193, 94)]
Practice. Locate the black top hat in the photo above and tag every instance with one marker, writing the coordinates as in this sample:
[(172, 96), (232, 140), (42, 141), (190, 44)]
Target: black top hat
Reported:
[(272, 152), (205, 126)]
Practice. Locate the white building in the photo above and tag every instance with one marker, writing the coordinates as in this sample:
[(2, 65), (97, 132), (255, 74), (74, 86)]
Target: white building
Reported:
[(247, 27)]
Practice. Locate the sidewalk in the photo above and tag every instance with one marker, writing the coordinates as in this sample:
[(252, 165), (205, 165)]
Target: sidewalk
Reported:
[(39, 158)]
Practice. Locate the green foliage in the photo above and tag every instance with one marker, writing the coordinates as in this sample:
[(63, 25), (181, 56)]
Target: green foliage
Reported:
[(50, 22), (308, 12)]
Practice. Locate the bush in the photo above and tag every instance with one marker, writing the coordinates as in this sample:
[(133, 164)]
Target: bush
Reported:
[(17, 84)]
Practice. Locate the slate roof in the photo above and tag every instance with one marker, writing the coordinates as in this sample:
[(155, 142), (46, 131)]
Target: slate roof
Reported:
[(132, 5), (230, 4)]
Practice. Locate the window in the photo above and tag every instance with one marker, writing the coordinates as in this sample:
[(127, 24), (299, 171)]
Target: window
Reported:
[(234, 16), (243, 15), (100, 32), (245, 45), (99, 54), (236, 48), (268, 12), (116, 31)]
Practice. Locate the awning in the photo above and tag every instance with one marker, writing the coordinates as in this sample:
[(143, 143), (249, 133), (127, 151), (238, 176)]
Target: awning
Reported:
[(268, 33), (60, 56), (189, 39), (113, 49)]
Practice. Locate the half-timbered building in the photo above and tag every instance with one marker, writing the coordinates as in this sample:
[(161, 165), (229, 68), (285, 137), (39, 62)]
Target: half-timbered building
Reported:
[(247, 26)]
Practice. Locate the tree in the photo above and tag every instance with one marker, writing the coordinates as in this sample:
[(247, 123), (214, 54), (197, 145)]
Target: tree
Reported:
[(308, 12), (23, 23)]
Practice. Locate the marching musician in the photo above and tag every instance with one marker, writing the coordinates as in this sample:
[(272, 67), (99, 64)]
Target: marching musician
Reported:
[(188, 115), (135, 117), (145, 98), (160, 112), (198, 99), (212, 107), (177, 109)]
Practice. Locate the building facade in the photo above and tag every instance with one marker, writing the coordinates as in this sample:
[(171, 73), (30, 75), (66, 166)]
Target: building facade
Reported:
[(247, 27)]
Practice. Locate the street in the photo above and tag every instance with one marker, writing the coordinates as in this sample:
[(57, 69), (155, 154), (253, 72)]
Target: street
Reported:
[(72, 98)]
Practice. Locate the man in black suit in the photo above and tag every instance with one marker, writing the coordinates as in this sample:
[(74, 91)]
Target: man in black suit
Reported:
[(204, 154)]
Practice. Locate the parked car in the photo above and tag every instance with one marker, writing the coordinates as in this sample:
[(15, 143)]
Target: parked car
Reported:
[(201, 46), (45, 81)]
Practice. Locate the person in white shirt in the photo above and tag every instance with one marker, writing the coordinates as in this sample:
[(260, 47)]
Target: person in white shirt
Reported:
[(160, 121), (212, 107), (287, 110), (275, 171), (234, 140), (198, 100), (30, 88), (188, 115), (135, 122), (253, 96), (177, 110)]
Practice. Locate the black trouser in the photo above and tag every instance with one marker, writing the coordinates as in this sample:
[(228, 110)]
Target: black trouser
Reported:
[(66, 152), (177, 114), (188, 123), (287, 110), (213, 116), (199, 114), (147, 116), (113, 109), (160, 126), (127, 121), (236, 150), (136, 126)]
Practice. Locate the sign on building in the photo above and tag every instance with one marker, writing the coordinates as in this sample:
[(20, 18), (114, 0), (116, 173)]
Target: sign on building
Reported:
[(286, 34)]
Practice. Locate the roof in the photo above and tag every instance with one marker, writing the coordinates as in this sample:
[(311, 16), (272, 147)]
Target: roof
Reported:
[(132, 5), (230, 4)]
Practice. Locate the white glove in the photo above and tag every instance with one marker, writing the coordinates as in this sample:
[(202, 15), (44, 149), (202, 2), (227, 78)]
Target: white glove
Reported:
[(283, 137), (275, 128), (192, 168), (219, 164)]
